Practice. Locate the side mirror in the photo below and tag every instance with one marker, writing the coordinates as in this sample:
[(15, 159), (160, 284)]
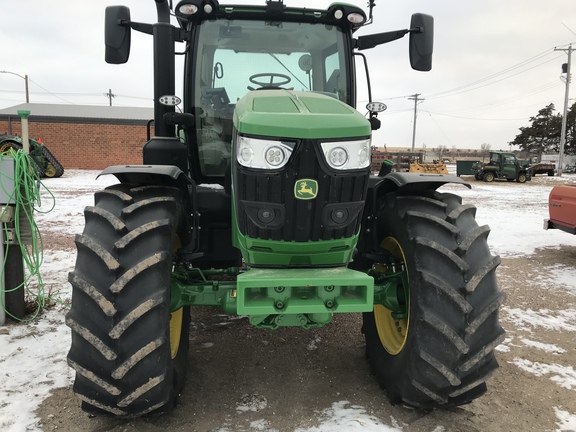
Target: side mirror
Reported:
[(421, 41), (117, 34)]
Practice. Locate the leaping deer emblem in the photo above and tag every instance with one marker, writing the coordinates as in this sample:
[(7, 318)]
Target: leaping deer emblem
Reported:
[(303, 191)]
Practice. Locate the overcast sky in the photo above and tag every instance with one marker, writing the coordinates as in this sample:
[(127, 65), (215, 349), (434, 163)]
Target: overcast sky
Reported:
[(494, 63)]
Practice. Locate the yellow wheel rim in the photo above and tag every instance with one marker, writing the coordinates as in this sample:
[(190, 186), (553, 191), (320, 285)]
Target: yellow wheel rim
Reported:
[(175, 317), (5, 148), (392, 332), (50, 170), (175, 331)]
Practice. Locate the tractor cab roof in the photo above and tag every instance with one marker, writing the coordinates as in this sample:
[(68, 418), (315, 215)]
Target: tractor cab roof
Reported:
[(340, 14)]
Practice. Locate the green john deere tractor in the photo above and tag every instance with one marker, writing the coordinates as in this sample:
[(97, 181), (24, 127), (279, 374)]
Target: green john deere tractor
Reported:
[(44, 162), (256, 196)]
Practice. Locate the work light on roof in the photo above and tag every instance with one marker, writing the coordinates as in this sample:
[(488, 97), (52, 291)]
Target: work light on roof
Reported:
[(188, 9), (355, 18), (338, 14)]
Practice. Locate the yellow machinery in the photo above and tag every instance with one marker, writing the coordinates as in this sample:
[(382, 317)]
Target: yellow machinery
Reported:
[(428, 168)]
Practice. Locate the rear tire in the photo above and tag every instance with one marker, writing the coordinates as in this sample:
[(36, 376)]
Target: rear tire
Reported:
[(54, 168), (442, 354), (129, 352), (488, 177)]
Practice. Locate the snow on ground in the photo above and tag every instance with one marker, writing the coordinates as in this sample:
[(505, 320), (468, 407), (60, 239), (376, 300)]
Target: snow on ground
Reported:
[(514, 212)]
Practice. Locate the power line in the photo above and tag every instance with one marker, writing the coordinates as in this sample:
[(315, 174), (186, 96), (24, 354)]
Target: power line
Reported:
[(49, 92), (475, 118), (510, 99), (465, 89), (533, 58)]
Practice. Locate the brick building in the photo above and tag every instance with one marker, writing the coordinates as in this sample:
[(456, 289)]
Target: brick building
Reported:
[(82, 136)]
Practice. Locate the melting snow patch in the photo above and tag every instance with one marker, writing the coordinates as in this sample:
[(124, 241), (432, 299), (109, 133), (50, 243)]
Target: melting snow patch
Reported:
[(563, 320), (559, 276), (551, 348), (352, 418), (503, 347), (565, 376), (253, 402), (261, 426), (33, 361), (312, 345), (567, 421)]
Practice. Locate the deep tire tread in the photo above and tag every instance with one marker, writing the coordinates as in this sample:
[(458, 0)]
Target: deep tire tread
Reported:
[(50, 158), (455, 301), (121, 302)]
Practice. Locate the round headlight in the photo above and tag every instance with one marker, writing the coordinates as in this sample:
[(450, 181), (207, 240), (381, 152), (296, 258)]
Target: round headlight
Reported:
[(263, 153), (363, 156), (275, 155), (246, 154), (338, 14), (337, 157)]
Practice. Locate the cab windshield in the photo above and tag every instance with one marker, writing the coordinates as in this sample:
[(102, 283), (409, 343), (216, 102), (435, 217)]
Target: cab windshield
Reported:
[(238, 56)]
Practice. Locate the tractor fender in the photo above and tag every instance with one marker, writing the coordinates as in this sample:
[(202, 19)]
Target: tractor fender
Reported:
[(10, 138), (378, 187), (163, 175), (414, 182)]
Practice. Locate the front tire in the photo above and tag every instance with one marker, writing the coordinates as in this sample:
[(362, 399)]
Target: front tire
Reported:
[(129, 352), (442, 352)]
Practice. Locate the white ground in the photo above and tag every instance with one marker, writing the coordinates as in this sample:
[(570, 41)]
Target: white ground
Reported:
[(32, 355)]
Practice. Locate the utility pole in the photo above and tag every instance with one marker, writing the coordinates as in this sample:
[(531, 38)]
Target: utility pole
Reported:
[(110, 95), (27, 93), (564, 118), (415, 98), (25, 78)]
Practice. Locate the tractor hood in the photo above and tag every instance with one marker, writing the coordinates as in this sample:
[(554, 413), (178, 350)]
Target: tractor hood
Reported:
[(299, 115)]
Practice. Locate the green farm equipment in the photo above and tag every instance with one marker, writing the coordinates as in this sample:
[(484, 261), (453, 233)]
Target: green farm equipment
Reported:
[(256, 196), (502, 166), (44, 162)]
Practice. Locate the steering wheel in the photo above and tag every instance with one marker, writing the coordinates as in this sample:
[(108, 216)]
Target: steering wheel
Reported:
[(285, 79)]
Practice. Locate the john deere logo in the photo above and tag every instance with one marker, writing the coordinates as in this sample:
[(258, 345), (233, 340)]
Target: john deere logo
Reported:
[(306, 189)]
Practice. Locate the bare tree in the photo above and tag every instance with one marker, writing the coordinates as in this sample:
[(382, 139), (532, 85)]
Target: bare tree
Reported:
[(440, 150), (485, 149)]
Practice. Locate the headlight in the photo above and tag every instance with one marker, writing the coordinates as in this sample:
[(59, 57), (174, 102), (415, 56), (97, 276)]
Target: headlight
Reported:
[(347, 155), (263, 154)]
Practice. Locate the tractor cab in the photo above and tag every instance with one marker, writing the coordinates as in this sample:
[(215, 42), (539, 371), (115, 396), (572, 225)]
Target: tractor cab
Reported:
[(234, 57), (237, 50)]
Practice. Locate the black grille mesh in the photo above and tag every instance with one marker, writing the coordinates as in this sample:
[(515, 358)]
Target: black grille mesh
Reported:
[(303, 218)]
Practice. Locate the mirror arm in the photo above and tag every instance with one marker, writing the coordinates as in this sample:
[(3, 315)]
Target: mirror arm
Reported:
[(416, 30), (371, 41), (179, 34), (140, 27)]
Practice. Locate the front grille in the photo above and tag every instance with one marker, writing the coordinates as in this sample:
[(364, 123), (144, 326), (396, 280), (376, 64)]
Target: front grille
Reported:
[(301, 220)]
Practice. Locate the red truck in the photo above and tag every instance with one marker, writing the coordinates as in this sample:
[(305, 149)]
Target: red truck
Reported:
[(562, 209)]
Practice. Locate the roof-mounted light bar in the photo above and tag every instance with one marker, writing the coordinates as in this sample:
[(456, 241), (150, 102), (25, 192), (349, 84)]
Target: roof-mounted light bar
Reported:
[(340, 11), (337, 13), (187, 9)]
